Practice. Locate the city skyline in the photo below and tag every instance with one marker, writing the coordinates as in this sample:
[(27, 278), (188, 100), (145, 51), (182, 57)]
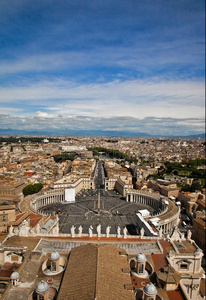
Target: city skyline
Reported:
[(107, 65)]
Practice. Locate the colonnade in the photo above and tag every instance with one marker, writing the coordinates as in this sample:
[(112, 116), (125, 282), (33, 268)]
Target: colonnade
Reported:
[(167, 227), (167, 223), (145, 199), (47, 198)]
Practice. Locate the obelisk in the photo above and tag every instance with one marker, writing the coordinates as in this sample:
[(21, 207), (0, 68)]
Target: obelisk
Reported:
[(98, 210)]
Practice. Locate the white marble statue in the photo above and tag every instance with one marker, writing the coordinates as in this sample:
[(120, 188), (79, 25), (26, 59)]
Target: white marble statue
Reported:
[(108, 231), (160, 232), (141, 232), (118, 231), (38, 228), (24, 223), (182, 236), (31, 231), (11, 231), (80, 231), (125, 232), (176, 235), (90, 231), (16, 231), (24, 228), (99, 230), (73, 231), (189, 235)]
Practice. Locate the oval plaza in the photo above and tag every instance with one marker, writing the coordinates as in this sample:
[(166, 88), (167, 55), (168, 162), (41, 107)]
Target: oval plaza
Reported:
[(84, 203)]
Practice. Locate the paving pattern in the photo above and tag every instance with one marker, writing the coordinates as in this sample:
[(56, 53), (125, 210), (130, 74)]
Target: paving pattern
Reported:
[(115, 211)]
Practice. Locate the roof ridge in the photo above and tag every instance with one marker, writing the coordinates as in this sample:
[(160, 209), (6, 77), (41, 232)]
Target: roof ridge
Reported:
[(96, 280)]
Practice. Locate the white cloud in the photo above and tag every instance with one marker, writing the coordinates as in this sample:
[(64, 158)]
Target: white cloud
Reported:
[(6, 110), (134, 98), (151, 125), (40, 114)]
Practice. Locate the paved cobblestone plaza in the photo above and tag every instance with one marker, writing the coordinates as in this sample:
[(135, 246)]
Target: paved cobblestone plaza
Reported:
[(115, 211)]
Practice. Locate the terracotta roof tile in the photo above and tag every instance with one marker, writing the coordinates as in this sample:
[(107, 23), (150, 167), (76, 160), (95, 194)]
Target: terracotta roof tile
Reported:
[(168, 275), (96, 271), (177, 295), (159, 260)]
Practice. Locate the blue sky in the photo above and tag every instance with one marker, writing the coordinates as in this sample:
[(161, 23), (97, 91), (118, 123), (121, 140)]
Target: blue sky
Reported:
[(110, 65)]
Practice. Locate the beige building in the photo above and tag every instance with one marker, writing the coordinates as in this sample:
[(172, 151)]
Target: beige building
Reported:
[(187, 262), (100, 270), (80, 176), (188, 200), (166, 188), (117, 178), (7, 215), (199, 230), (11, 188)]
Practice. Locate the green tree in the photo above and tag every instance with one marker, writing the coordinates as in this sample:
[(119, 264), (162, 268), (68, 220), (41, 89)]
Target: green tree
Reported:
[(32, 189), (195, 186)]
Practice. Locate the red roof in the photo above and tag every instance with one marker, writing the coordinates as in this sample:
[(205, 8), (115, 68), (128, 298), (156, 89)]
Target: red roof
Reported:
[(34, 219), (6, 273), (29, 173), (159, 260), (139, 283), (10, 266), (177, 295)]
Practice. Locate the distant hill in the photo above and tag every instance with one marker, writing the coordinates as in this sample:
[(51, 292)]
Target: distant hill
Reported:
[(67, 132), (197, 136)]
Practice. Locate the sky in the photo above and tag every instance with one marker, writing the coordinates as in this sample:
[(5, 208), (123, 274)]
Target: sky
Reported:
[(123, 65)]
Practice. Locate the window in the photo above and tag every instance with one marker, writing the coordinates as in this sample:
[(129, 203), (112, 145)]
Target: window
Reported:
[(53, 266), (141, 268), (14, 258), (183, 266), (41, 297)]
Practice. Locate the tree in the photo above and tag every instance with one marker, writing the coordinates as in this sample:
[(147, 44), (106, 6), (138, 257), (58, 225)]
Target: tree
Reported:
[(195, 186), (32, 189)]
